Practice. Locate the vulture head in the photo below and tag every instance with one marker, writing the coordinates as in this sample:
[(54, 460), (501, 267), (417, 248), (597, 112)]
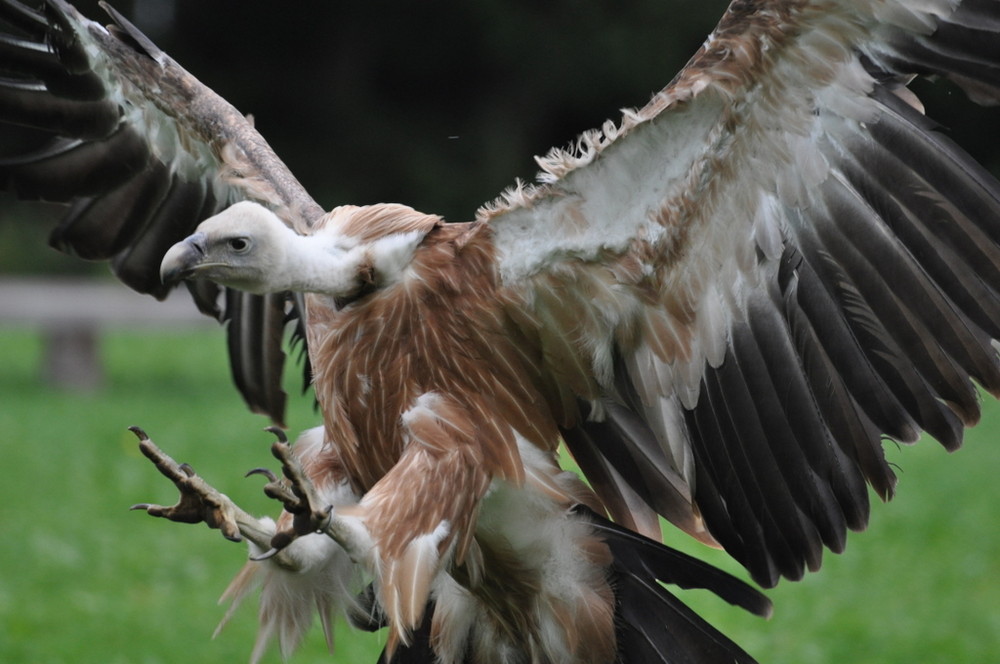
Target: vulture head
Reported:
[(350, 251)]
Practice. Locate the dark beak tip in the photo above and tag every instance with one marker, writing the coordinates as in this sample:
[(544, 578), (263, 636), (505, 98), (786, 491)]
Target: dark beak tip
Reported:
[(180, 261), (174, 277)]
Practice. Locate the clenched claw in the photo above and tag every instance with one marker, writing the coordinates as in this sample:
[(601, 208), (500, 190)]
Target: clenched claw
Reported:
[(198, 501), (298, 496)]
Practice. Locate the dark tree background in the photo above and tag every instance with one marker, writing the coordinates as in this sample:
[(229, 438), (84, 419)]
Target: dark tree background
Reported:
[(438, 104)]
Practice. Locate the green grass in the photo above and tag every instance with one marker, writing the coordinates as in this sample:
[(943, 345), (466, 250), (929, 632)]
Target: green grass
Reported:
[(82, 579)]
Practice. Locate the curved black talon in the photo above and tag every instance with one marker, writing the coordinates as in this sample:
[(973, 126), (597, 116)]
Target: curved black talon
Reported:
[(266, 472), (278, 432)]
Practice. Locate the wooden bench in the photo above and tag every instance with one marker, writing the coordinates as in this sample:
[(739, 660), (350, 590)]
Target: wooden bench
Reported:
[(71, 313)]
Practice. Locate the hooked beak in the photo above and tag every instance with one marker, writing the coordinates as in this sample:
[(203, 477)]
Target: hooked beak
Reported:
[(182, 259)]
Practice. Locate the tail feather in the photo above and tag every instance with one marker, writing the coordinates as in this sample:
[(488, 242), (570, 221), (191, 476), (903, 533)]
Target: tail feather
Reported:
[(653, 625)]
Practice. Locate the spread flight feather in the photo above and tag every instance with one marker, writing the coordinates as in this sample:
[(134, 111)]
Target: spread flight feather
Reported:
[(720, 303)]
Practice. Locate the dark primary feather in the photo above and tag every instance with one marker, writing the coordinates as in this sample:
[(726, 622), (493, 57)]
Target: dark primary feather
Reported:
[(870, 320), (624, 503), (653, 625), (97, 228), (965, 48), (30, 103), (758, 453), (916, 332), (888, 302), (849, 425), (24, 18), (643, 555), (49, 24), (45, 81), (951, 200), (623, 443), (37, 59), (131, 197), (857, 313), (69, 167), (185, 200), (255, 332)]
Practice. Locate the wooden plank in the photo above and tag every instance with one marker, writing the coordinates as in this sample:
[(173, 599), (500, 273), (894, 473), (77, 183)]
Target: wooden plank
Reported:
[(57, 302), (70, 314)]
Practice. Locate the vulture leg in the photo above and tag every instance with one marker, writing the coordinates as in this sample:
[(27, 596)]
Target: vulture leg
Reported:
[(299, 497), (199, 501)]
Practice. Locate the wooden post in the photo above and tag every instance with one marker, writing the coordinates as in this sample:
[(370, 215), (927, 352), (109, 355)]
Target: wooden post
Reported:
[(72, 358)]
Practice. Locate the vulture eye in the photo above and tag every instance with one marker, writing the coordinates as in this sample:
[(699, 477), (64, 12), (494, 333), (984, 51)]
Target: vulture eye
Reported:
[(239, 244)]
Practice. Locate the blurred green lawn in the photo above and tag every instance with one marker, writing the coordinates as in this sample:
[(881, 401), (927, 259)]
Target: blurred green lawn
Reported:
[(82, 579)]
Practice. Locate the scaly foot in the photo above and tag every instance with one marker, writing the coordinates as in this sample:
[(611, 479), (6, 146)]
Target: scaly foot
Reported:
[(298, 495), (199, 501)]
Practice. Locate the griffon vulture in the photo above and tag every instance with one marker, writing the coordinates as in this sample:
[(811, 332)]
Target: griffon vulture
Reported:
[(720, 304)]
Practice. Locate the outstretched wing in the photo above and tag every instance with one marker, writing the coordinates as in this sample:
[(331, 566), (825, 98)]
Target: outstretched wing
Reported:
[(737, 291), (142, 152)]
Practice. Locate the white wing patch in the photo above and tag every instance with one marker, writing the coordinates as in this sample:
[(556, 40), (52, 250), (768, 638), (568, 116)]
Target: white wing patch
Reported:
[(606, 206)]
